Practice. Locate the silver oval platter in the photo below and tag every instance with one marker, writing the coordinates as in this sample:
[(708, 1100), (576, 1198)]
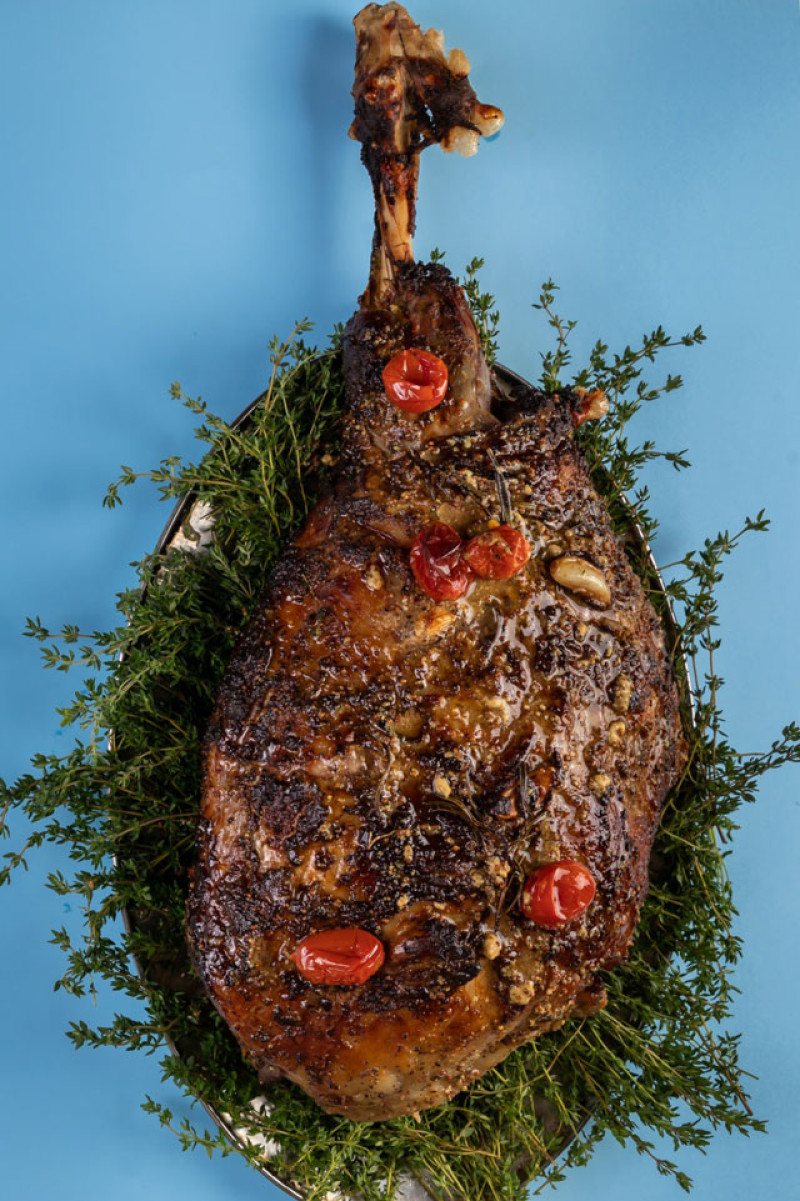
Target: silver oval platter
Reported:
[(190, 528)]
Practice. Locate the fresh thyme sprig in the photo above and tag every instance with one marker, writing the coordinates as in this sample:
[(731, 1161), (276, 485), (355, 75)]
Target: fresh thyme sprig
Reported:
[(123, 799), (487, 316)]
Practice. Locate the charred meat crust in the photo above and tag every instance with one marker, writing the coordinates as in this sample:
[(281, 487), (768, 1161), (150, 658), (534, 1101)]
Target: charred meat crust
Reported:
[(428, 310), (351, 697)]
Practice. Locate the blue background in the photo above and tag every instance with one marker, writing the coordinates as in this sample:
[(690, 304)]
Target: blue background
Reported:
[(177, 186)]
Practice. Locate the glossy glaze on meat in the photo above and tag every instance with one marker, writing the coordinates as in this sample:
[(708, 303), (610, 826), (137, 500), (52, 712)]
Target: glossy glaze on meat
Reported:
[(381, 760)]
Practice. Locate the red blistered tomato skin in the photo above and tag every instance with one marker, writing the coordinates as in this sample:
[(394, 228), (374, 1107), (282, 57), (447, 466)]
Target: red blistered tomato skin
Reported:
[(415, 380), (557, 893), (438, 563), (343, 956), (497, 554)]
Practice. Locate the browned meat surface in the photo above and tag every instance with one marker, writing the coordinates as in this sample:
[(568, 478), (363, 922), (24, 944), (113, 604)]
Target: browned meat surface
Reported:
[(381, 760)]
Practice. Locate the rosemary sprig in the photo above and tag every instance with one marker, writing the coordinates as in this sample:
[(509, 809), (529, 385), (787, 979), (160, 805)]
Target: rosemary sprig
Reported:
[(122, 801), (503, 494)]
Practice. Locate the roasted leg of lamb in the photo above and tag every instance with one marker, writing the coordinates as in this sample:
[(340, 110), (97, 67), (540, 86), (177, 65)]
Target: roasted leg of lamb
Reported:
[(438, 757)]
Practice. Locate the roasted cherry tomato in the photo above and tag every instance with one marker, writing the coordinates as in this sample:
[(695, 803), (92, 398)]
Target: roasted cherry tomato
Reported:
[(438, 563), (342, 956), (557, 893), (415, 380), (497, 554)]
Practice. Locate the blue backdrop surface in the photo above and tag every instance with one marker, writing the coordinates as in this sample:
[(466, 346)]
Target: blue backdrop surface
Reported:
[(176, 187)]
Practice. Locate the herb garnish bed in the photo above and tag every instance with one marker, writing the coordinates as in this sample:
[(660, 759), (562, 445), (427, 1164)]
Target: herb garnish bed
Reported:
[(659, 1057)]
